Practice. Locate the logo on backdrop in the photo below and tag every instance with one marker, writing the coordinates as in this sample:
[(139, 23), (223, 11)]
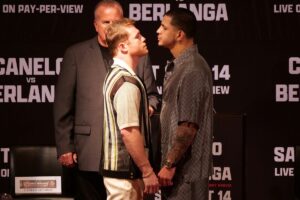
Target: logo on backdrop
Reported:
[(286, 8), (220, 181), (284, 158), (29, 70), (42, 8), (289, 92), (221, 76), (155, 11), (4, 171)]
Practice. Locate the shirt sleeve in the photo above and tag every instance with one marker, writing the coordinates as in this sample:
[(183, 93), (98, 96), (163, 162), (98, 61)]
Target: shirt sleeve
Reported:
[(127, 105)]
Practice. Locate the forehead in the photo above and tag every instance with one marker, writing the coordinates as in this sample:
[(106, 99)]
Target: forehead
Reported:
[(132, 30), (108, 12), (166, 20)]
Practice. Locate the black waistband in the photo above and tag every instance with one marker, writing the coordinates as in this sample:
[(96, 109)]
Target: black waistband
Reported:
[(121, 174)]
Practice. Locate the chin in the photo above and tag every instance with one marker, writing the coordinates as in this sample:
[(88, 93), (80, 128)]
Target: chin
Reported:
[(145, 53), (159, 43), (145, 50)]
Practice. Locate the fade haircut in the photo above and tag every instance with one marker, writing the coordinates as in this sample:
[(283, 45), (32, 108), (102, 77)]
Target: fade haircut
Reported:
[(116, 33), (108, 3), (184, 20)]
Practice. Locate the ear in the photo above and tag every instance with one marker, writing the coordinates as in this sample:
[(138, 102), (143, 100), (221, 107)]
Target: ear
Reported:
[(180, 35), (96, 26), (123, 47)]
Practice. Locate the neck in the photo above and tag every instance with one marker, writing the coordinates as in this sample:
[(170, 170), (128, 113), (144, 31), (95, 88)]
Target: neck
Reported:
[(101, 42), (130, 61), (181, 46)]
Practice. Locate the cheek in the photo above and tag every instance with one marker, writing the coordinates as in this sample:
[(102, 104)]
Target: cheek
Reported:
[(101, 30), (164, 36), (104, 27), (98, 27)]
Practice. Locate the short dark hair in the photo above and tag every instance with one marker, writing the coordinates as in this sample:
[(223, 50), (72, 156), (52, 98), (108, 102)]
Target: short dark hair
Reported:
[(185, 20), (116, 33)]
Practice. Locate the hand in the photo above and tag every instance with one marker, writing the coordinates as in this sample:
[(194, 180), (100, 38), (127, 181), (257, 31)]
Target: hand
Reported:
[(75, 157), (166, 175), (151, 184), (150, 111), (68, 159)]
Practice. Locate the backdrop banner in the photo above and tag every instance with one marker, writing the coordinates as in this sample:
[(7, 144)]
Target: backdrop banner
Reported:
[(251, 46)]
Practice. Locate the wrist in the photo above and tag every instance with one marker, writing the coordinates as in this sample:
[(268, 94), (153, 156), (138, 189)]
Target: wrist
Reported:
[(169, 164), (146, 170), (147, 174)]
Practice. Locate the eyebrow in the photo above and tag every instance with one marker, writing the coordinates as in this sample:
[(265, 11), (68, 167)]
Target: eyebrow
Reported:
[(164, 26)]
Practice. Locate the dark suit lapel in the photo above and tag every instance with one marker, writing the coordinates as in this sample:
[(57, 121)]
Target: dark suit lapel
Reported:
[(97, 59)]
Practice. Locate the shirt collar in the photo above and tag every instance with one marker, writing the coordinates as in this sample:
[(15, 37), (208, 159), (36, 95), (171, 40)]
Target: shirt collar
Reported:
[(186, 53), (123, 65)]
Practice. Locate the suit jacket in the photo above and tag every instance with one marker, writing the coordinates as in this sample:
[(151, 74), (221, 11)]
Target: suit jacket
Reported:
[(78, 105)]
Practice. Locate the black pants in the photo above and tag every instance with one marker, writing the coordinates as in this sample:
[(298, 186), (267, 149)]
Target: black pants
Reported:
[(89, 186)]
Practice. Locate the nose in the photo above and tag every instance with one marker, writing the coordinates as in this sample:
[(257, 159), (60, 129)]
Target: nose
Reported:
[(158, 30)]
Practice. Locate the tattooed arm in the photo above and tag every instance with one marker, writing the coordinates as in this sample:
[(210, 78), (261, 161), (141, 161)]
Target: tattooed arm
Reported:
[(185, 134), (184, 137)]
